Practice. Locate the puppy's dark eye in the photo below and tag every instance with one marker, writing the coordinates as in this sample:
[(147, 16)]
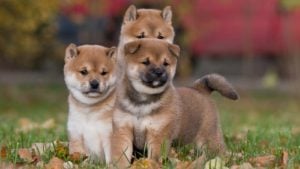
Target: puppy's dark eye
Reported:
[(146, 62), (160, 37), (84, 72), (103, 73), (142, 35)]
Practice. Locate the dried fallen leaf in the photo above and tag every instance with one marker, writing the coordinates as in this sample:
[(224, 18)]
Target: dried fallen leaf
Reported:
[(216, 163), (35, 157), (77, 157), (198, 163), (3, 152), (68, 165), (48, 124), (145, 164), (26, 125), (6, 166), (263, 161), (296, 130), (40, 148), (173, 153), (183, 165), (25, 154), (55, 163), (242, 166), (40, 164), (284, 159)]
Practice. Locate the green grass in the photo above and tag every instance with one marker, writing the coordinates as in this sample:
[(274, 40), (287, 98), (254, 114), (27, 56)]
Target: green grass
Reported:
[(260, 123)]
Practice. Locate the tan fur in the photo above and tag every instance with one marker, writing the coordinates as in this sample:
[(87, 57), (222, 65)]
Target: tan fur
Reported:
[(151, 22), (196, 116), (159, 125), (145, 23), (90, 111), (184, 114), (215, 82)]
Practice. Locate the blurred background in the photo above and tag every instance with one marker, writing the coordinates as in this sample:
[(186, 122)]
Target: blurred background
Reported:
[(255, 43)]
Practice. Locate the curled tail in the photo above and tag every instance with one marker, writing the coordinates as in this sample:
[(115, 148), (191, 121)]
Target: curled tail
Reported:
[(215, 82)]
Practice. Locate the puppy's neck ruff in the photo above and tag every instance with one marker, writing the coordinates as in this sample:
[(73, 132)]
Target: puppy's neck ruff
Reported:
[(137, 103), (137, 97)]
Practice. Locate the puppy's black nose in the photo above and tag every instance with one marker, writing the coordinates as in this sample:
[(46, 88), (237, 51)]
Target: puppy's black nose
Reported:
[(158, 71), (94, 84)]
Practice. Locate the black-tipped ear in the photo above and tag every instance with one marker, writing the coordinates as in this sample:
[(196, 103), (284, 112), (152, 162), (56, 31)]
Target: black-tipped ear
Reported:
[(167, 14), (111, 52), (130, 14), (174, 49), (71, 52), (132, 47)]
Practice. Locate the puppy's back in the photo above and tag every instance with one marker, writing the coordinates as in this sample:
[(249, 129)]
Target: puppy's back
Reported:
[(200, 115)]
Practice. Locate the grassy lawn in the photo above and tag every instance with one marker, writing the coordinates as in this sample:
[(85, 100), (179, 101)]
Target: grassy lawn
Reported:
[(260, 123)]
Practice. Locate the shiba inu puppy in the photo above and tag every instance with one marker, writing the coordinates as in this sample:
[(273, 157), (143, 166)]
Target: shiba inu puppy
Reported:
[(145, 23), (157, 24), (148, 106), (90, 75), (151, 111)]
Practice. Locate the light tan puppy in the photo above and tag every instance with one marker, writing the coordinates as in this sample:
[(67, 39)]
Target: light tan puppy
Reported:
[(90, 75), (145, 23)]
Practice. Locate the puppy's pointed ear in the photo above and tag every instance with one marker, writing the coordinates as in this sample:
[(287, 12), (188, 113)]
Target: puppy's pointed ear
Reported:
[(167, 14), (130, 14), (174, 49), (132, 47), (71, 52), (112, 52)]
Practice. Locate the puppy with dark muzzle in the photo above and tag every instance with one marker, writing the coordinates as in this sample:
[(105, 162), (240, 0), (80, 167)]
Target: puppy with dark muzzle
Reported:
[(151, 112), (148, 106)]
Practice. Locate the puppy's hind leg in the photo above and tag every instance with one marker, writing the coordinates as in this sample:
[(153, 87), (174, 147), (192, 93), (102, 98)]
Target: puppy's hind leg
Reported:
[(208, 148), (212, 143)]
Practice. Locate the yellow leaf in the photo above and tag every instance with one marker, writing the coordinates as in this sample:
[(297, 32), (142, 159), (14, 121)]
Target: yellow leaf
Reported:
[(61, 150), (145, 164), (48, 124), (216, 163), (26, 125)]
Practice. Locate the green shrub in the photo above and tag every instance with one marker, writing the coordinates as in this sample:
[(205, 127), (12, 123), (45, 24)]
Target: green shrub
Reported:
[(27, 32)]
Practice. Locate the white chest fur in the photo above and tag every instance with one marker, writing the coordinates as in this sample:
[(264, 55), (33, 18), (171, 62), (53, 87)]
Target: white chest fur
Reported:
[(92, 128)]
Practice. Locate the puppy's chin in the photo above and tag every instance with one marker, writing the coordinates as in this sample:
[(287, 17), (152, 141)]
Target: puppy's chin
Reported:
[(93, 94), (140, 87), (85, 96)]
